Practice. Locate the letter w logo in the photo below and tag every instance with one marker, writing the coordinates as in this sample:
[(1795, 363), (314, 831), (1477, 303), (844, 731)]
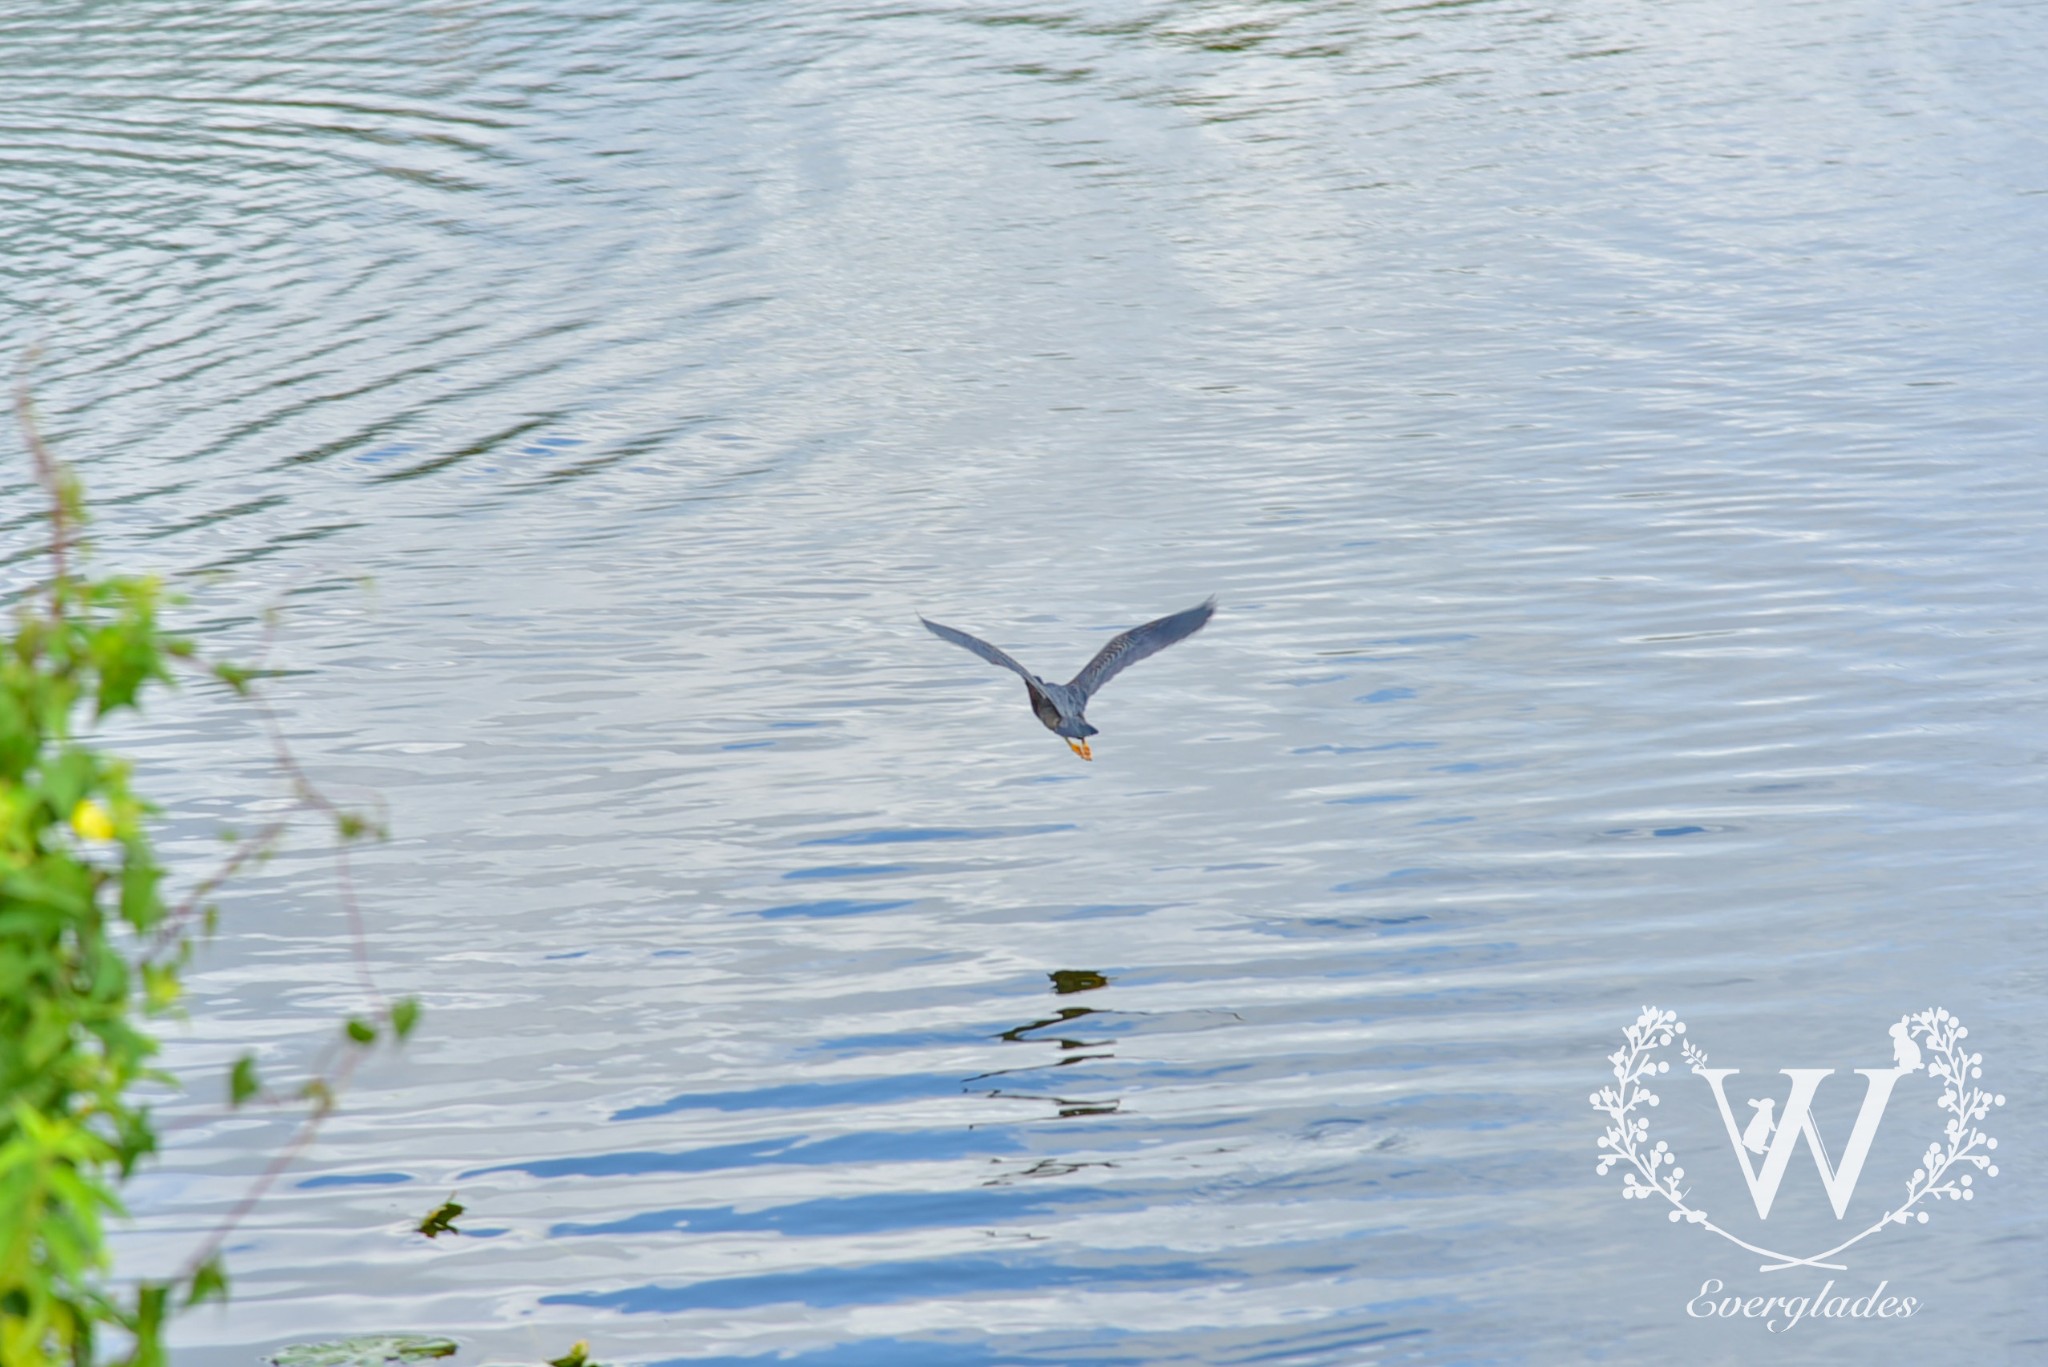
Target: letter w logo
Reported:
[(1797, 1120)]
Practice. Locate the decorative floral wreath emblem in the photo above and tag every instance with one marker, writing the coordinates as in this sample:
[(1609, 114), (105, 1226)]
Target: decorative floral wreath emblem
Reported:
[(1651, 1168)]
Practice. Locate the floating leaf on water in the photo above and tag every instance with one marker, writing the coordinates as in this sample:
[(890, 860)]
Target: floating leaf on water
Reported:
[(243, 1082), (442, 1219), (369, 1350), (578, 1356), (1069, 980)]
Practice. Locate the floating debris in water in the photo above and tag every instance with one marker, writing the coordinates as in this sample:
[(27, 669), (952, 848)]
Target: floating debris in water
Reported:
[(441, 1220), (369, 1350)]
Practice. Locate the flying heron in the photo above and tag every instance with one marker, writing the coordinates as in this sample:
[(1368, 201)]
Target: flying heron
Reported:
[(1063, 707)]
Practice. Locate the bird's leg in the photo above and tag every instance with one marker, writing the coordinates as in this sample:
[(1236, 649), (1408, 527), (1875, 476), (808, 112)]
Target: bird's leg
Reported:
[(1080, 747)]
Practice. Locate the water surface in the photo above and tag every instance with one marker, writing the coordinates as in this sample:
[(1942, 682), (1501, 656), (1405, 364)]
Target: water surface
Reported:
[(1614, 437)]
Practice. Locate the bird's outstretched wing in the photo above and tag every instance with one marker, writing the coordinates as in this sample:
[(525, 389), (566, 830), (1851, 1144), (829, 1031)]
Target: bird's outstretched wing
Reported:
[(978, 646), (1139, 642)]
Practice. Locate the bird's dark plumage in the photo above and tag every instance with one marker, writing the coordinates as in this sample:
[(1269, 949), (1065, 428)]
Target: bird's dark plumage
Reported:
[(1063, 707), (978, 646), (1129, 647)]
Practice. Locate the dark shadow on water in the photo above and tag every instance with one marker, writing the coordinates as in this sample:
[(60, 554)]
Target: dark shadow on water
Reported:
[(1073, 1048), (1021, 1034)]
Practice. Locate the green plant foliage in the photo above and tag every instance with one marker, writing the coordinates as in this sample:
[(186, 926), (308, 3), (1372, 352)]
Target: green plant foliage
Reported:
[(578, 1356), (209, 1283), (90, 951), (441, 1220), (243, 1082), (79, 892)]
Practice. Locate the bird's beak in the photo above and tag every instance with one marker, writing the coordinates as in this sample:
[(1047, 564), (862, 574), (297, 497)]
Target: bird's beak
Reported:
[(1080, 747)]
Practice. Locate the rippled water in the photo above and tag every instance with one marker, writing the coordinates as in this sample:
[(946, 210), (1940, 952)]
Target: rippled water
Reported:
[(1615, 436)]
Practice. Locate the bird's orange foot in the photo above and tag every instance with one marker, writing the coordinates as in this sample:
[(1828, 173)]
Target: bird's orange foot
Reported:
[(1080, 747)]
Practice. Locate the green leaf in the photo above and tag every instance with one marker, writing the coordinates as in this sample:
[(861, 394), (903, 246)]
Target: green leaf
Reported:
[(150, 1300), (405, 1013), (577, 1356), (160, 986), (441, 1220), (242, 1083), (361, 1031), (210, 1282)]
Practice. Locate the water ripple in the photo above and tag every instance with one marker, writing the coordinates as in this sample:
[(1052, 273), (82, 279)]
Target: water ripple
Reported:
[(1612, 436)]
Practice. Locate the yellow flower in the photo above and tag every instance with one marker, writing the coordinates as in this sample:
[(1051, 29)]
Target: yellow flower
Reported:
[(90, 820)]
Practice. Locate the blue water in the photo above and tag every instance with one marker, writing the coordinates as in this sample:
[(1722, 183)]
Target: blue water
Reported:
[(1614, 436)]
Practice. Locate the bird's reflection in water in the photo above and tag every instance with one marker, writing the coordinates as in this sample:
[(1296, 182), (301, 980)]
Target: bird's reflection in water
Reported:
[(1072, 1047)]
